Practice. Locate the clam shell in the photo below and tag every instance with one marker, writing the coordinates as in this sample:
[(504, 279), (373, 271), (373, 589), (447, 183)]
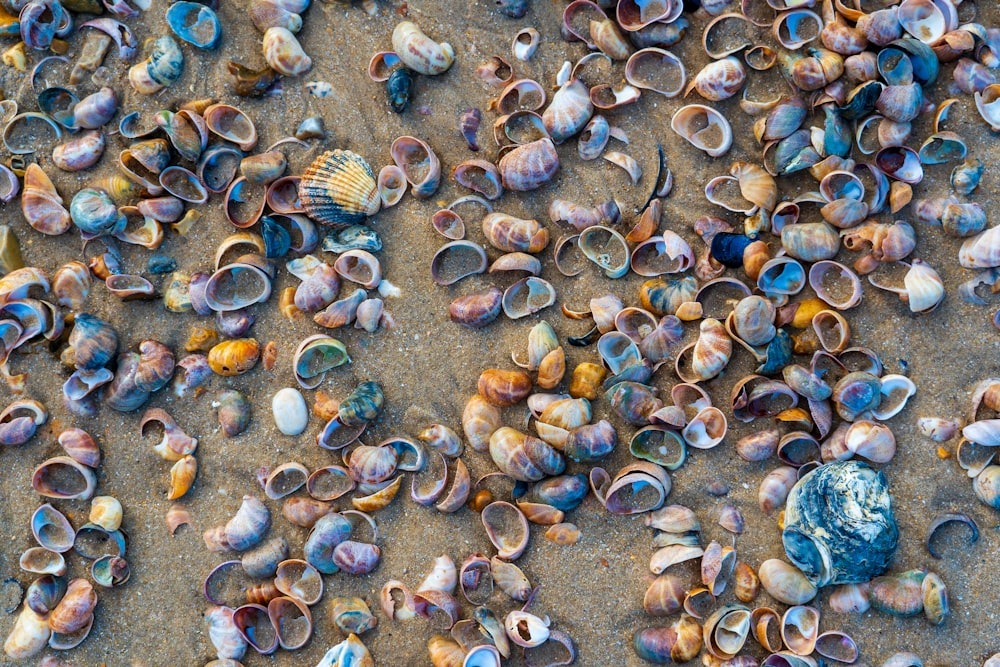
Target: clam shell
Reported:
[(339, 189)]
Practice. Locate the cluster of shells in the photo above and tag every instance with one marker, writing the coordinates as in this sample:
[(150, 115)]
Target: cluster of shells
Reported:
[(868, 79), (58, 613)]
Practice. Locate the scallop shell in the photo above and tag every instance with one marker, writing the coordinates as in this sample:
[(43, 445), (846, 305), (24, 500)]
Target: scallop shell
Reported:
[(339, 189)]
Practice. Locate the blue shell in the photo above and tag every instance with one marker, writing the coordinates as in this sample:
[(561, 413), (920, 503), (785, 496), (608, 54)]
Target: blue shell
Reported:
[(95, 213), (728, 248), (837, 136), (925, 62), (399, 86), (329, 531), (40, 21), (564, 492), (861, 101), (166, 62), (277, 240), (778, 354), (839, 524), (59, 104), (195, 23)]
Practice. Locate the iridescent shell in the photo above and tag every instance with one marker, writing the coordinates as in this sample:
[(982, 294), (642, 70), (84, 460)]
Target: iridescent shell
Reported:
[(839, 524), (339, 189)]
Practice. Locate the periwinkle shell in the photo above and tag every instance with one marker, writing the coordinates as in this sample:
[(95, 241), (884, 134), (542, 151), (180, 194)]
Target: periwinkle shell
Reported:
[(839, 524)]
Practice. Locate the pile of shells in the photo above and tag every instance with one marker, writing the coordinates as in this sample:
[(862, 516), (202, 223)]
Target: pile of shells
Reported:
[(485, 638), (57, 613), (272, 609)]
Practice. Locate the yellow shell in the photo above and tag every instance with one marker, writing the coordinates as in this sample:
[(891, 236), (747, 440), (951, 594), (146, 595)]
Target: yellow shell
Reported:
[(234, 357), (339, 189), (182, 476)]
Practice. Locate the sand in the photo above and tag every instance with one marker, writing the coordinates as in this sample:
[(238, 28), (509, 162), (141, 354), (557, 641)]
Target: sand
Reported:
[(428, 366)]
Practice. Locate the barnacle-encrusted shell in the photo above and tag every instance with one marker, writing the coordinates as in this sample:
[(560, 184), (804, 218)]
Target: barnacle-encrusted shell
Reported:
[(339, 189), (839, 524)]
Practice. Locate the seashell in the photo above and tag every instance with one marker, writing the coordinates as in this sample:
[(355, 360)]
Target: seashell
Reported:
[(850, 598), (523, 457), (419, 163), (935, 600), (195, 24), (356, 557), (39, 560), (304, 512), (963, 220), (851, 551), (290, 413), (593, 138), (327, 533), (249, 525), (62, 477), (785, 583), (391, 185), (106, 512), (225, 637), (656, 69), (352, 615), (267, 14), (361, 405), (182, 476), (284, 54), (782, 121), (359, 266), (898, 594), (419, 52), (347, 653), (80, 153), (480, 420), (800, 629), (339, 189), (41, 204), (664, 596), (476, 310), (719, 80), (511, 234), (591, 442), (679, 642), (162, 68), (529, 166), (52, 529), (810, 242), (704, 128), (76, 608), (28, 637), (234, 357), (233, 125)]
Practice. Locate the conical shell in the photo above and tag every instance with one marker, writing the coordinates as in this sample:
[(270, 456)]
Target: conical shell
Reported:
[(339, 189)]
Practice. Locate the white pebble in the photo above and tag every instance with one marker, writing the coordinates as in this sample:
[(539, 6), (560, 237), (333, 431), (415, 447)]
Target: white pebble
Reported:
[(291, 415)]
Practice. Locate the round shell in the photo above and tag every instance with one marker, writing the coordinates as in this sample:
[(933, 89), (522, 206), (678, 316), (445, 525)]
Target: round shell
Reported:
[(839, 524), (339, 189)]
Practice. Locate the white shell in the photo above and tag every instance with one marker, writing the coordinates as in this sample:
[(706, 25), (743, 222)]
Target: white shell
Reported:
[(419, 52), (291, 415)]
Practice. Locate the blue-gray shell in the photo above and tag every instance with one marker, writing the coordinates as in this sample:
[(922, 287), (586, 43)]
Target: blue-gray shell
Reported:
[(839, 524)]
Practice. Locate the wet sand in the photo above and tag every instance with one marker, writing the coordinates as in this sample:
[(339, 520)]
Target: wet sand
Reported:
[(428, 366)]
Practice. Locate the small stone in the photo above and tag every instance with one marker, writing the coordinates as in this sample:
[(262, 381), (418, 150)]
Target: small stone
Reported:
[(290, 413)]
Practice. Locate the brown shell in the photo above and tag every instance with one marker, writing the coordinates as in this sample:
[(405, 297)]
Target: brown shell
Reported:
[(339, 189)]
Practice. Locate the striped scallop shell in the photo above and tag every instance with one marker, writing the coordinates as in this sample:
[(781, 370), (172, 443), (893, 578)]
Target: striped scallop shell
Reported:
[(339, 189)]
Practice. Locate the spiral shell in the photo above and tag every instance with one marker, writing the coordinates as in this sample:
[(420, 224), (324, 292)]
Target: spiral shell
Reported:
[(42, 206), (339, 189), (419, 52)]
